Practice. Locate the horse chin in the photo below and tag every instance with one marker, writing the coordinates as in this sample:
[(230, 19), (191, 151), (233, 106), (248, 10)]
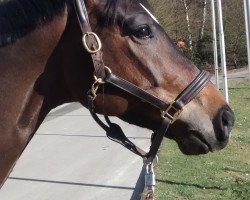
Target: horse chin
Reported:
[(193, 144)]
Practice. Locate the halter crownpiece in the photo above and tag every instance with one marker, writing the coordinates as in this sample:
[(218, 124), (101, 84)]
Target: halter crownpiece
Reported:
[(169, 111)]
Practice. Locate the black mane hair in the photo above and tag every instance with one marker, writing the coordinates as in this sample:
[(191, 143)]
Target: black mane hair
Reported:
[(19, 17), (111, 9)]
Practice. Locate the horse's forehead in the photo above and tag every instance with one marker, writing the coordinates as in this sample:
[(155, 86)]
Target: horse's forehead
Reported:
[(126, 7), (149, 13)]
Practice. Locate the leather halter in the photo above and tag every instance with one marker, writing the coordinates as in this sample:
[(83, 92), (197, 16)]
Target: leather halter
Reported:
[(103, 75)]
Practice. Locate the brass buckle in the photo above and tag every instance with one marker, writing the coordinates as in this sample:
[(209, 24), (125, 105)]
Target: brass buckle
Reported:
[(92, 49), (95, 86), (175, 116), (97, 83)]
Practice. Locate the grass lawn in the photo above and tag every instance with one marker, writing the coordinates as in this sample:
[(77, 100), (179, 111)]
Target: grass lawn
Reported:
[(221, 175)]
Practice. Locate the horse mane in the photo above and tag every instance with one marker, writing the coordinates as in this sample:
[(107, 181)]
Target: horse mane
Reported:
[(19, 17), (112, 6)]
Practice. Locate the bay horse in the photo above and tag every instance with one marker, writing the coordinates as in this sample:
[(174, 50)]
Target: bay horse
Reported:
[(43, 65)]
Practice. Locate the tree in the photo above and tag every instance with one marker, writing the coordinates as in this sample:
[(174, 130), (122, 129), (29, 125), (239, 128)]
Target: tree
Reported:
[(187, 4), (190, 21), (204, 18)]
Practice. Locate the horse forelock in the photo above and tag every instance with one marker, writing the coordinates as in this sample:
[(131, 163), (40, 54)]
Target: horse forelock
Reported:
[(111, 9), (19, 17)]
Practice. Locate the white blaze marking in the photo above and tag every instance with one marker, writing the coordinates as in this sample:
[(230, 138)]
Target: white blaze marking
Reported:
[(151, 15)]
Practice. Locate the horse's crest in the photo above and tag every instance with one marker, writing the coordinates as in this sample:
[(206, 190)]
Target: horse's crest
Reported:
[(19, 17)]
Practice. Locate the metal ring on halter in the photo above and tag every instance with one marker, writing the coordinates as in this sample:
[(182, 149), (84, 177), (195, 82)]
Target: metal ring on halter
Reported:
[(95, 86), (151, 160), (93, 49), (108, 70)]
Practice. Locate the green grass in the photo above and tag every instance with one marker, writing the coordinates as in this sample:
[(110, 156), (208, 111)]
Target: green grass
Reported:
[(221, 175)]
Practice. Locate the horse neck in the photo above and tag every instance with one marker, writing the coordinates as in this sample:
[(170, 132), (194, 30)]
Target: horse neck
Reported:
[(22, 105)]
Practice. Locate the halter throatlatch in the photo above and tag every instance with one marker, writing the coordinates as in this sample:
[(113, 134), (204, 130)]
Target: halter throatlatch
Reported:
[(169, 112)]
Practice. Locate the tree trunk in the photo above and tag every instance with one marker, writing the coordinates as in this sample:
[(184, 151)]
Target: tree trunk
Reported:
[(204, 18), (188, 24)]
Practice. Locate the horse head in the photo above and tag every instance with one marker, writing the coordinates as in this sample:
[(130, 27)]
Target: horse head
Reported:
[(43, 64), (136, 48)]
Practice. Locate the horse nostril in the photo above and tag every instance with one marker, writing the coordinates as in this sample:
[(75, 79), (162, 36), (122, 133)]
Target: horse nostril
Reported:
[(227, 119)]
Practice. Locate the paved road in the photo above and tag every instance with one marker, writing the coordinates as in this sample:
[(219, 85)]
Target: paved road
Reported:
[(70, 158), (244, 73)]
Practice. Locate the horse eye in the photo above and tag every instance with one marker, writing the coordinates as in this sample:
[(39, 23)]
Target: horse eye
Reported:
[(143, 32)]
